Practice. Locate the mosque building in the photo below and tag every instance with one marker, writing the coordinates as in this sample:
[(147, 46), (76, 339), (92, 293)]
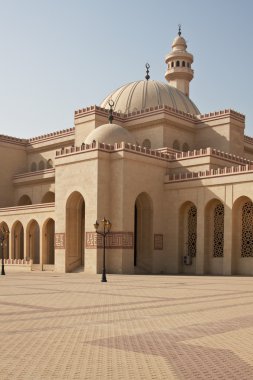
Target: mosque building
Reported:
[(176, 185)]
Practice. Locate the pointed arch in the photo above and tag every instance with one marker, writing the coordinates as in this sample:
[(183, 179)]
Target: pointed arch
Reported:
[(143, 232), (5, 243), (242, 254), (24, 200), (187, 235), (49, 197), (41, 165), (33, 241), (214, 237), (50, 164), (75, 231), (17, 236), (48, 230), (176, 145)]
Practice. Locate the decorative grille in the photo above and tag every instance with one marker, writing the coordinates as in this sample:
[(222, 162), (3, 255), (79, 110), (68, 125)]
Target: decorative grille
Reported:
[(192, 231), (247, 230), (218, 234)]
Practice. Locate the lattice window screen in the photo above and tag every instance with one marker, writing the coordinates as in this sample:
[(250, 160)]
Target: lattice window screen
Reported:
[(247, 230), (192, 231), (218, 233)]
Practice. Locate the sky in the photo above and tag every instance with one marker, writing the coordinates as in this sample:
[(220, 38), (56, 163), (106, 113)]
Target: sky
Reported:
[(61, 55)]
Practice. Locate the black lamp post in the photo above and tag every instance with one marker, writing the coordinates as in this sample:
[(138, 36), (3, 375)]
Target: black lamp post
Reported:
[(106, 229), (3, 236)]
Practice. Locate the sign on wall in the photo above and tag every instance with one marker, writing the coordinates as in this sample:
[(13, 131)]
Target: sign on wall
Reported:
[(115, 240), (158, 241), (59, 240)]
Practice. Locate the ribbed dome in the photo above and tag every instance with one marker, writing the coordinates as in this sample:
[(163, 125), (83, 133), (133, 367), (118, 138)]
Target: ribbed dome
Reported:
[(110, 134), (149, 93)]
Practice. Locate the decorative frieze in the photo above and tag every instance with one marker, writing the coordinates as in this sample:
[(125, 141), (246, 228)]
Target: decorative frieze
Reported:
[(59, 240), (158, 242), (113, 240)]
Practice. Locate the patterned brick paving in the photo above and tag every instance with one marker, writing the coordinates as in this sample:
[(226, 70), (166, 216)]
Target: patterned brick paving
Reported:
[(72, 326)]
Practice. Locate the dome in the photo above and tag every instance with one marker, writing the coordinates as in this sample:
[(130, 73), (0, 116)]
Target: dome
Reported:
[(179, 43), (110, 134), (149, 93)]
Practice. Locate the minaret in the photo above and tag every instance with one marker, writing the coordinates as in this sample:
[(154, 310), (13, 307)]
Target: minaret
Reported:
[(179, 72)]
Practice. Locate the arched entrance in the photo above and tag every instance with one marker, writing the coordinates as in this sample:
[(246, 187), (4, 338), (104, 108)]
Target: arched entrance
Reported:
[(75, 230), (187, 236), (143, 233), (242, 254), (33, 242), (5, 244), (17, 241), (48, 242), (214, 237)]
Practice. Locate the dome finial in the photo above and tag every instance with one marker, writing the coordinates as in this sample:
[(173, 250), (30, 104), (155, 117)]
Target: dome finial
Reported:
[(147, 71), (111, 104), (179, 30)]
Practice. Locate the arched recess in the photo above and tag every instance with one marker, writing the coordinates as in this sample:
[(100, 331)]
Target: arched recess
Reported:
[(49, 197), (187, 235), (146, 144), (75, 231), (24, 200), (17, 234), (41, 165), (49, 163), (214, 237), (33, 241), (5, 243), (176, 145), (48, 242), (33, 167), (143, 233), (242, 236), (185, 147)]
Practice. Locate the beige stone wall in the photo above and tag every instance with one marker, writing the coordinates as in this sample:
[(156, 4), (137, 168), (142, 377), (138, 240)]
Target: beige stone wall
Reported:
[(13, 161)]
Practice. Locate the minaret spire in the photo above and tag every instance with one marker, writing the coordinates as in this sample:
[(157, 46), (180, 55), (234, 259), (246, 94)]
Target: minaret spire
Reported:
[(147, 71), (179, 72), (179, 30), (111, 104)]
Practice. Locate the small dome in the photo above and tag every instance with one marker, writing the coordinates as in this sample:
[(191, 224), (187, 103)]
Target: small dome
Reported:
[(149, 93), (179, 43), (110, 134)]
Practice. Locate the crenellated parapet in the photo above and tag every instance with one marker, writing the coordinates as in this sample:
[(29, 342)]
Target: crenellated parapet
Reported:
[(13, 140), (49, 136), (187, 176), (153, 152), (221, 113)]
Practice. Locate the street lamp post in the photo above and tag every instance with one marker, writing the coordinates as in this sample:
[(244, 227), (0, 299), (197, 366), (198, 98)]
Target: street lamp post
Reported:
[(3, 236), (106, 229)]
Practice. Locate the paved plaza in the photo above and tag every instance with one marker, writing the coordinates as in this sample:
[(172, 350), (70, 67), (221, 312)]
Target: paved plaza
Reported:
[(72, 326)]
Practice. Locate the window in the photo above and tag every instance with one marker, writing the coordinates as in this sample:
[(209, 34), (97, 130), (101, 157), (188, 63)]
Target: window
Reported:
[(41, 165), (218, 231), (185, 147), (183, 63), (33, 167), (172, 64), (178, 64), (49, 163), (176, 145), (247, 230), (146, 144), (192, 231)]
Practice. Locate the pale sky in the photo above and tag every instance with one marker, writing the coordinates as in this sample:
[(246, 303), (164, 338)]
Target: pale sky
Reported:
[(61, 55)]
